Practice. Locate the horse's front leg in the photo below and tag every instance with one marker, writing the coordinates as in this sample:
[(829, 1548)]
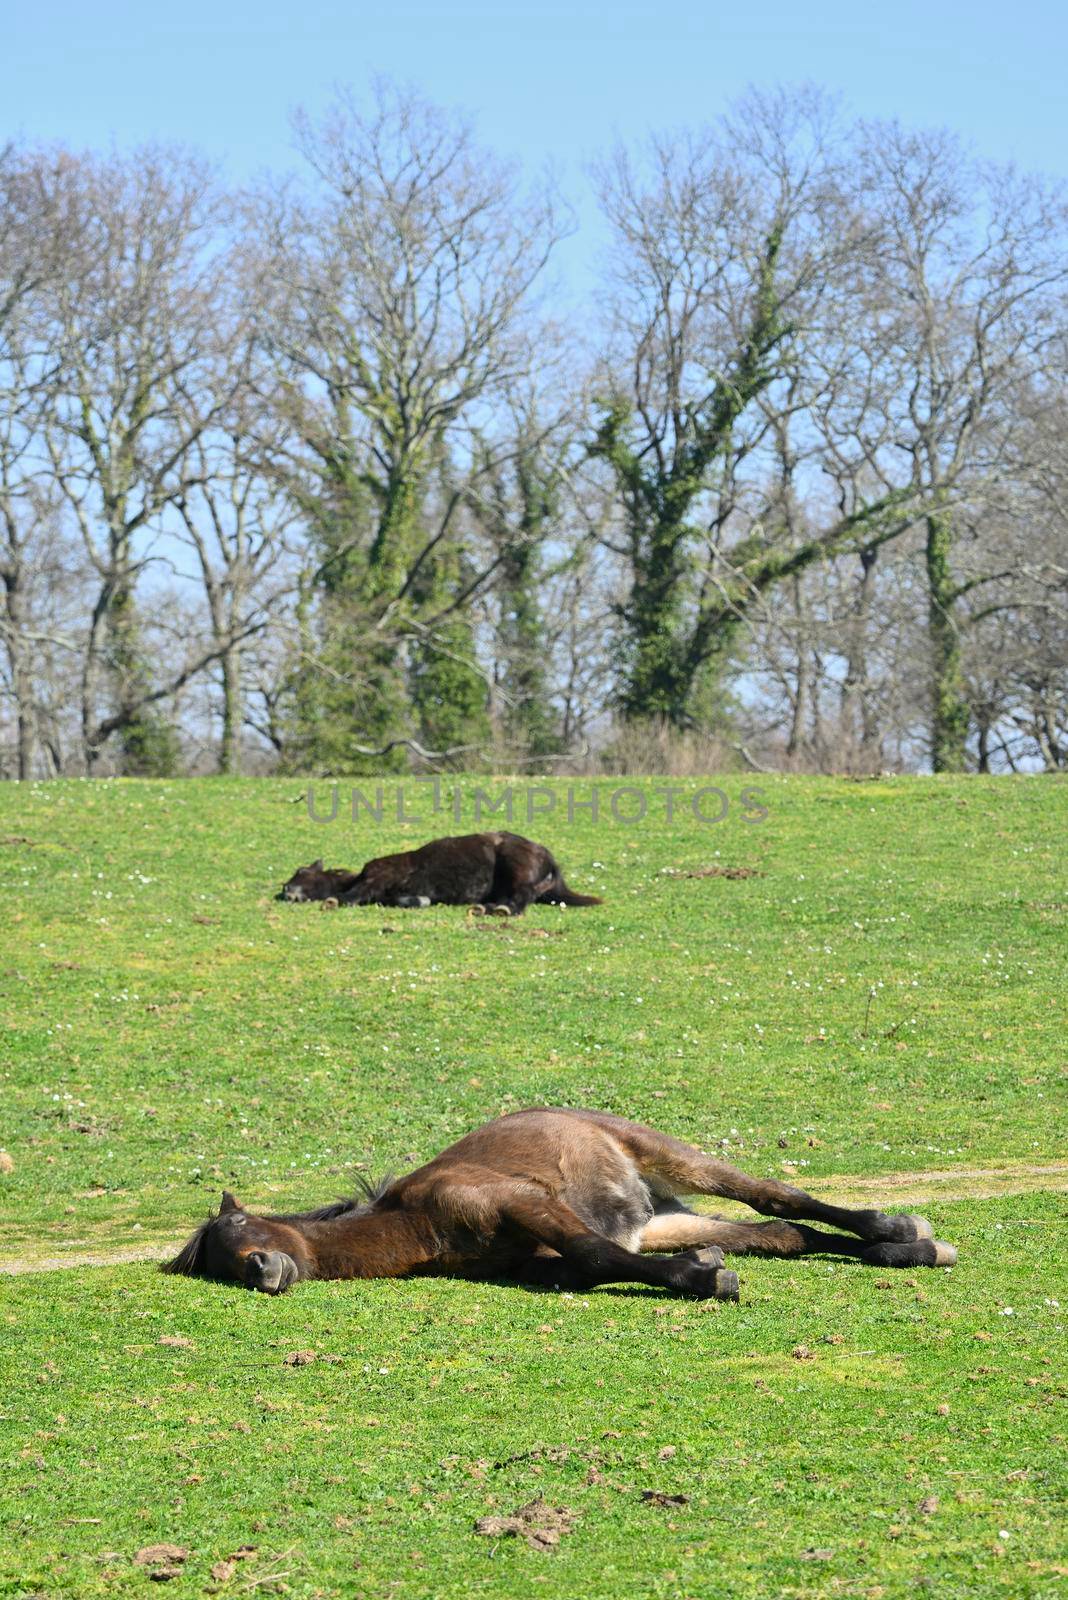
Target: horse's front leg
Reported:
[(699, 1272), (589, 1259)]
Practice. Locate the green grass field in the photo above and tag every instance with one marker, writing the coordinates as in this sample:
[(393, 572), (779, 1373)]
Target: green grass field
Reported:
[(878, 1010)]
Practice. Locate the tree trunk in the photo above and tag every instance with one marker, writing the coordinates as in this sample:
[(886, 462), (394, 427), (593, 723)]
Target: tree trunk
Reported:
[(233, 712), (796, 742), (126, 668), (857, 720), (526, 715), (658, 682), (950, 714), (91, 673), (21, 678), (21, 686)]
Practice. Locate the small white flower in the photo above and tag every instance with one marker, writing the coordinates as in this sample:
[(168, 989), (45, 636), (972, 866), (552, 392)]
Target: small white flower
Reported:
[(1007, 1311)]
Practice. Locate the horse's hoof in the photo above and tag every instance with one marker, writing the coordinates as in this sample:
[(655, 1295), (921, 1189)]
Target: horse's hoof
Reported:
[(917, 1253), (498, 911), (476, 911), (900, 1228), (330, 903), (706, 1255), (705, 1281)]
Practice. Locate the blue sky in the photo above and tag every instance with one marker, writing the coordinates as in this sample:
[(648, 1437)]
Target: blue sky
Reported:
[(543, 81)]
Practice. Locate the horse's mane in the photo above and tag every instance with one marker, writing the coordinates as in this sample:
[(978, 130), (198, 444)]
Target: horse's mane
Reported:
[(187, 1260), (371, 1190)]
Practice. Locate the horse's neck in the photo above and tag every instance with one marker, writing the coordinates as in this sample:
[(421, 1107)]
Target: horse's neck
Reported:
[(379, 1245)]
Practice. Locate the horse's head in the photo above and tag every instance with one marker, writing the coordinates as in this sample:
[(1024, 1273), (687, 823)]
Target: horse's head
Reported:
[(316, 882), (307, 883), (235, 1246)]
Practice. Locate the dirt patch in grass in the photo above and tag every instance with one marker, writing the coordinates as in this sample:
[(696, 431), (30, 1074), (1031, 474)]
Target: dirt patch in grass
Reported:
[(712, 872), (965, 1183), (539, 1524), (28, 1261)]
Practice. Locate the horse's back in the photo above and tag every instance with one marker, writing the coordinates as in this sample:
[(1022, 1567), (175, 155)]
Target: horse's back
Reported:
[(586, 1160)]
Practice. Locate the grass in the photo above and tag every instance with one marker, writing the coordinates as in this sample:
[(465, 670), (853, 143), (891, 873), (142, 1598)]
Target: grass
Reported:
[(881, 998)]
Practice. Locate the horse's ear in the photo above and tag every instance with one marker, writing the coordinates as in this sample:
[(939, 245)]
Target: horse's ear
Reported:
[(230, 1202), (318, 865)]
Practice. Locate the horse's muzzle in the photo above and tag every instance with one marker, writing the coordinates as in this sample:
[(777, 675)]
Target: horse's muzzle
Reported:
[(270, 1271)]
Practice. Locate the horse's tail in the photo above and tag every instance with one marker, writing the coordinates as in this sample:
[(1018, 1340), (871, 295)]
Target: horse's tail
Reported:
[(558, 894)]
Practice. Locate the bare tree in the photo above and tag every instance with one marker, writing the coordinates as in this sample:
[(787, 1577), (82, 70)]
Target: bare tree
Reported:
[(399, 291), (1014, 650), (732, 260), (326, 488), (837, 663), (967, 313), (526, 527), (137, 315), (238, 521), (29, 532)]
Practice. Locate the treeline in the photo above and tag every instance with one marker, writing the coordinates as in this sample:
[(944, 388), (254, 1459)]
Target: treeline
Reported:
[(321, 477)]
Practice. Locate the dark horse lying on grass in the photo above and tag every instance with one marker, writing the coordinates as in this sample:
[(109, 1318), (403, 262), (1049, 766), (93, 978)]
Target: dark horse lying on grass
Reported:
[(500, 872), (561, 1199)]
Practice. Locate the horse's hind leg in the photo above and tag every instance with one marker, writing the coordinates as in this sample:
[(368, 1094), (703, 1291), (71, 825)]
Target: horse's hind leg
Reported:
[(894, 1240), (682, 1230), (685, 1230), (515, 887), (904, 1240)]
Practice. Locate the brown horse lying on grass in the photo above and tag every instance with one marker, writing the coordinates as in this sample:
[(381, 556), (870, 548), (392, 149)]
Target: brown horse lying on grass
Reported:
[(561, 1199), (501, 873)]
